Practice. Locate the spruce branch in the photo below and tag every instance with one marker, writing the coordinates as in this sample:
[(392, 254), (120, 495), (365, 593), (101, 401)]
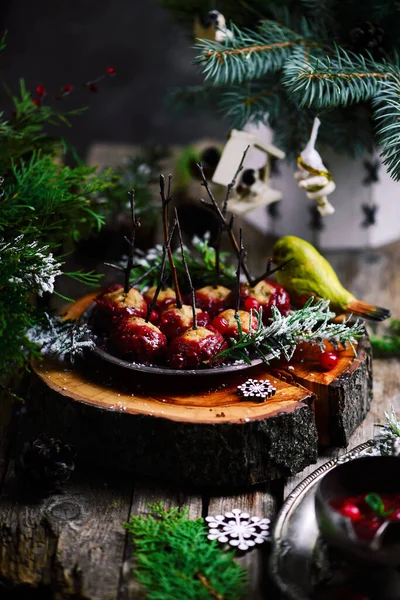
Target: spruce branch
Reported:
[(326, 82), (248, 54)]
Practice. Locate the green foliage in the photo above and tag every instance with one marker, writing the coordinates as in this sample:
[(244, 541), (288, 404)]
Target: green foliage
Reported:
[(139, 173), (389, 432), (49, 201), (287, 61), (388, 345), (201, 263), (176, 561), (44, 205), (311, 324)]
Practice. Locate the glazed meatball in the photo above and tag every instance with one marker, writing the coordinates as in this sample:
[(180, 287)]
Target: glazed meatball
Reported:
[(113, 305), (195, 347), (176, 321), (140, 340), (227, 324), (266, 293), (213, 299)]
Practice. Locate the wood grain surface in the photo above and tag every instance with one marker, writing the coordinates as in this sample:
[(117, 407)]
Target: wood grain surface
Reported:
[(61, 555)]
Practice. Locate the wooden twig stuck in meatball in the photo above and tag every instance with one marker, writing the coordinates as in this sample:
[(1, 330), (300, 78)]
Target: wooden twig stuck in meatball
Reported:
[(165, 200)]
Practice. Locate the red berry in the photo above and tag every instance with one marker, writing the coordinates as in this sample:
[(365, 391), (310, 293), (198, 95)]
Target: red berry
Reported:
[(111, 71), (67, 89), (351, 510), (221, 324), (40, 90), (328, 360), (395, 515), (251, 303), (93, 87), (36, 101)]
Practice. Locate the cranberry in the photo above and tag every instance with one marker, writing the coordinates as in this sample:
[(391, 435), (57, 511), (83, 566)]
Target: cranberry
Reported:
[(36, 101), (395, 515), (328, 360), (111, 71), (40, 90), (221, 324), (351, 510), (67, 89), (251, 303)]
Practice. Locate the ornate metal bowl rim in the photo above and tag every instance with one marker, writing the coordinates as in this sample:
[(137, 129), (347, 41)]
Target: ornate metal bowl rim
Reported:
[(287, 509)]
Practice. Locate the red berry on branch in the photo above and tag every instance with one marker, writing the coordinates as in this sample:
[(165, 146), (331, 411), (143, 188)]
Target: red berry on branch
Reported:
[(352, 511), (40, 90), (93, 87), (67, 89), (328, 360), (251, 303), (111, 71), (36, 101)]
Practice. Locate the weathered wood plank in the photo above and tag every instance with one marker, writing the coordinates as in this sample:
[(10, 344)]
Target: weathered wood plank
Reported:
[(146, 493), (71, 543), (262, 501)]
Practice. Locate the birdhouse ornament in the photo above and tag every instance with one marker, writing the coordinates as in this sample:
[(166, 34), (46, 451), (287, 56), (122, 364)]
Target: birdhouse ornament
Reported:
[(313, 176), (251, 189), (213, 27)]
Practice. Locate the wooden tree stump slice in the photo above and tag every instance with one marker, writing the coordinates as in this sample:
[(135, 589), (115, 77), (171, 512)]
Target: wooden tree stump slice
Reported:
[(208, 438), (343, 395), (199, 431)]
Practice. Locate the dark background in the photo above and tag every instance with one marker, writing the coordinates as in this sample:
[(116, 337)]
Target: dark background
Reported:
[(59, 42)]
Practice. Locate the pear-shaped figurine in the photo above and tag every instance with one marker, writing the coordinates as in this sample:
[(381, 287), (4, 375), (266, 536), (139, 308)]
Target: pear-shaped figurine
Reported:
[(313, 176)]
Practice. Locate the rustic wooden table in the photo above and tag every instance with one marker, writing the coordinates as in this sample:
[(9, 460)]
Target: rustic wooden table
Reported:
[(72, 544)]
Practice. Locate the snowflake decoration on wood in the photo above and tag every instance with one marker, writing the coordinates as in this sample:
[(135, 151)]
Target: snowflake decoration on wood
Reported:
[(257, 389), (238, 529)]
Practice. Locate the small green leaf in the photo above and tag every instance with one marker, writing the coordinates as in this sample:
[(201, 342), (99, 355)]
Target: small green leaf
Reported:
[(375, 502)]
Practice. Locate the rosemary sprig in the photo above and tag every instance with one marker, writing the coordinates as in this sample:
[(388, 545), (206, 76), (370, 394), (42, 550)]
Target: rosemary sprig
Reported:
[(311, 324)]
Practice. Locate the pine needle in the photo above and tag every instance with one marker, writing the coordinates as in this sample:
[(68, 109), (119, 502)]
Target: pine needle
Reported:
[(176, 561)]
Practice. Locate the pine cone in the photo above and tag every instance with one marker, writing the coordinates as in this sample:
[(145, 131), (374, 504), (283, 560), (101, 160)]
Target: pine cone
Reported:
[(47, 461), (368, 37)]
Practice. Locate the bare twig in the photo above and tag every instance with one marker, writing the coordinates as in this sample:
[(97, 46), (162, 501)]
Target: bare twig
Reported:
[(165, 202), (232, 184), (131, 242), (270, 271), (228, 227), (131, 245), (241, 251), (193, 299), (140, 279), (161, 279)]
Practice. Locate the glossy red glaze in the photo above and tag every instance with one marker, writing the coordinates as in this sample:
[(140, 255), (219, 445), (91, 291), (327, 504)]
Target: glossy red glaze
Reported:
[(143, 341), (328, 360), (213, 299), (165, 299), (113, 305), (266, 293), (176, 321), (194, 347), (227, 325)]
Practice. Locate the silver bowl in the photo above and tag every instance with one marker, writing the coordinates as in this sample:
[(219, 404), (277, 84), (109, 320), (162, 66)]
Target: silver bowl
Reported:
[(380, 474)]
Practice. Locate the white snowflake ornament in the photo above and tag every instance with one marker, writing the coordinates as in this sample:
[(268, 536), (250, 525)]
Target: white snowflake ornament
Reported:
[(238, 529), (256, 389)]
